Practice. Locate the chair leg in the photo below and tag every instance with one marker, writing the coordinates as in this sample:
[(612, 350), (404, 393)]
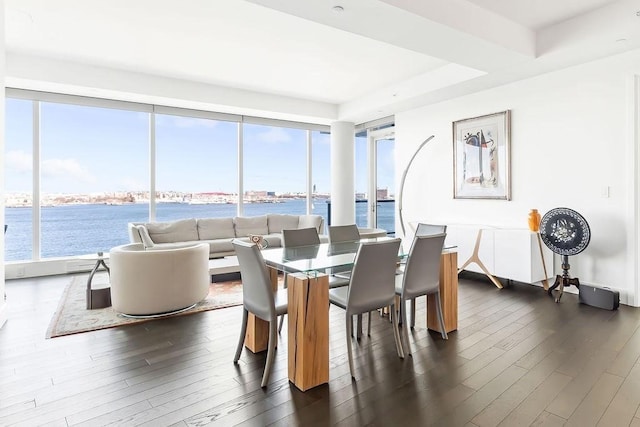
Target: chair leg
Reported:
[(396, 334), (243, 332), (349, 331), (405, 329), (413, 313), (280, 323), (440, 318), (271, 349), (356, 328), (369, 323)]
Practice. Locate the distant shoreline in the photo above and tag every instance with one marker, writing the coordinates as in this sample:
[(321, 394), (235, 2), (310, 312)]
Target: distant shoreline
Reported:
[(175, 202)]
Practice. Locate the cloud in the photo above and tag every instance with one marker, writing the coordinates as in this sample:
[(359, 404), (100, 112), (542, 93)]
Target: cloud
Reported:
[(184, 122), (274, 135), (18, 161), (68, 169)]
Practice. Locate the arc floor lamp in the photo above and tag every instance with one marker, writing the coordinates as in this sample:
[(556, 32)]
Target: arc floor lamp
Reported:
[(404, 176)]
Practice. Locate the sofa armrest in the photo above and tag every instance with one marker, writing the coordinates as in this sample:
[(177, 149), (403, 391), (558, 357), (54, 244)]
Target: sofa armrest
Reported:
[(134, 235)]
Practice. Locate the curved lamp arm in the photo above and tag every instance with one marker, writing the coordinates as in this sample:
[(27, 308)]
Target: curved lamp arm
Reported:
[(404, 176)]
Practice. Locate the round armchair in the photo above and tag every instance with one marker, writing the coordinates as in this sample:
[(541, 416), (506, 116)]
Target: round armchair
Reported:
[(158, 281)]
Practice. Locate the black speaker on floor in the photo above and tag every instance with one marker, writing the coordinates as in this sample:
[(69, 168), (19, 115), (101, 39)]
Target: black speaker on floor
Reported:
[(600, 297)]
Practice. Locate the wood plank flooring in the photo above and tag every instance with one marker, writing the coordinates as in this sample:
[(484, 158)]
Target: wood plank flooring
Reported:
[(517, 359)]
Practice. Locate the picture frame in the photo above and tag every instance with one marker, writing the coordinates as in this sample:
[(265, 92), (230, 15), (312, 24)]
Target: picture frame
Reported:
[(481, 159)]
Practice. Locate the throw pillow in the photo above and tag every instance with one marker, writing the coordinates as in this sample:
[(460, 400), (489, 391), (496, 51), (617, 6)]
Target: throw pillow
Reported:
[(258, 240), (144, 236)]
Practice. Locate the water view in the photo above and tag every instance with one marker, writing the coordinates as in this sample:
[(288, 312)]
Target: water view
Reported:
[(69, 230)]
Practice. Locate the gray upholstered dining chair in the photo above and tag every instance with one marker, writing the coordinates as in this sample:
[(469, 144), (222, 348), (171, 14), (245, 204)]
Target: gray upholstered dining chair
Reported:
[(343, 234), (430, 229), (423, 230), (258, 298), (295, 238), (307, 237), (300, 237), (421, 277), (371, 287)]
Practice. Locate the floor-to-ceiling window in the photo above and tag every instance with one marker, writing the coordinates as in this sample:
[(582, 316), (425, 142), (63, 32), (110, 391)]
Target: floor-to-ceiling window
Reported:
[(275, 170), (361, 171), (321, 173), (196, 167), (93, 177), (79, 169), (18, 179), (374, 172), (385, 183)]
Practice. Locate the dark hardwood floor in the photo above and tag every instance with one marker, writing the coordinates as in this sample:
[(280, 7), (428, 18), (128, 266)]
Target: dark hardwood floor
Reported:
[(517, 359)]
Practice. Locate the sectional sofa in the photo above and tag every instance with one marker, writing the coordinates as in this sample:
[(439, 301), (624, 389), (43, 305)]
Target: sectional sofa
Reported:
[(219, 232)]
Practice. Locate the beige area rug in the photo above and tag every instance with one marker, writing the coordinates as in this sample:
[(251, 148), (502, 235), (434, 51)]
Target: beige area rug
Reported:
[(72, 316)]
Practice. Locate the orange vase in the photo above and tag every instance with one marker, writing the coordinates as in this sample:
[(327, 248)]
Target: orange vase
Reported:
[(534, 220)]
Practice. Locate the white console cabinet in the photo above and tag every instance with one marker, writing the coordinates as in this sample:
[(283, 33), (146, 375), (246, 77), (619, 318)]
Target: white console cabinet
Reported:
[(509, 253)]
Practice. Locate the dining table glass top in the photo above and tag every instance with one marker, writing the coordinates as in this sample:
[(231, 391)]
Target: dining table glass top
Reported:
[(318, 258)]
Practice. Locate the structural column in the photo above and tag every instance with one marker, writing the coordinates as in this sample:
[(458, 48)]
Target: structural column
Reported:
[(3, 303), (343, 197)]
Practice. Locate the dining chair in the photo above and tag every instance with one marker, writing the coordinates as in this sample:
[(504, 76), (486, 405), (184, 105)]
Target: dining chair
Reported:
[(295, 238), (371, 287), (421, 277), (258, 298), (423, 230), (343, 234), (430, 229), (307, 237)]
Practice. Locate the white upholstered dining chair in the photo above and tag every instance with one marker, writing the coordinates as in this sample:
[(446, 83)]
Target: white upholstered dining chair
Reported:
[(258, 298), (372, 286), (421, 277)]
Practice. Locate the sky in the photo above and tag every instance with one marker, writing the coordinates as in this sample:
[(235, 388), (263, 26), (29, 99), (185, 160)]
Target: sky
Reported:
[(92, 150)]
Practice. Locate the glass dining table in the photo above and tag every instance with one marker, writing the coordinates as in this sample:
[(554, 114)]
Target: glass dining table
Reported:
[(308, 299)]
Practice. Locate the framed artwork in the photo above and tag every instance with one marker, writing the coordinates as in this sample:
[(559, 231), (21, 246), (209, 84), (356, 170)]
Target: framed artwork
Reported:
[(481, 167)]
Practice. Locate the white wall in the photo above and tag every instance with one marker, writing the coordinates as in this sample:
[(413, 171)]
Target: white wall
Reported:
[(571, 139)]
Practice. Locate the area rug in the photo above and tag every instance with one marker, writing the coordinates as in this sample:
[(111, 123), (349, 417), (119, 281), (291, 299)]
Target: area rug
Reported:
[(72, 316)]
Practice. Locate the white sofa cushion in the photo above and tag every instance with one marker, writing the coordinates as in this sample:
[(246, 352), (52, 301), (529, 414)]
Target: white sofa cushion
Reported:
[(308, 221), (219, 245), (184, 230), (274, 240), (251, 225), (216, 228), (279, 222)]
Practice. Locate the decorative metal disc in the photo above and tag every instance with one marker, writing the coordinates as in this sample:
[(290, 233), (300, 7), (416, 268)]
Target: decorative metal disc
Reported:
[(565, 231)]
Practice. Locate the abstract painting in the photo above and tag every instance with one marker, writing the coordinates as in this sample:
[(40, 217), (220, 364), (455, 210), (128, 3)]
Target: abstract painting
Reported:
[(481, 157)]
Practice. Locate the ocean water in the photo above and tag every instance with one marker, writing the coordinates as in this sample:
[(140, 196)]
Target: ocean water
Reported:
[(69, 230)]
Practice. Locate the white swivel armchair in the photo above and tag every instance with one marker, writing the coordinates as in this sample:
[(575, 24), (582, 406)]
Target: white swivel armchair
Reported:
[(154, 282)]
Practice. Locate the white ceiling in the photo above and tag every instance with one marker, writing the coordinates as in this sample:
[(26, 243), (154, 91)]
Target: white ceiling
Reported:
[(375, 58), (538, 14)]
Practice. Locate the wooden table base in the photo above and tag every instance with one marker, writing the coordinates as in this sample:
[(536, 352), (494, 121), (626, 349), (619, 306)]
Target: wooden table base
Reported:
[(308, 321), (448, 295)]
